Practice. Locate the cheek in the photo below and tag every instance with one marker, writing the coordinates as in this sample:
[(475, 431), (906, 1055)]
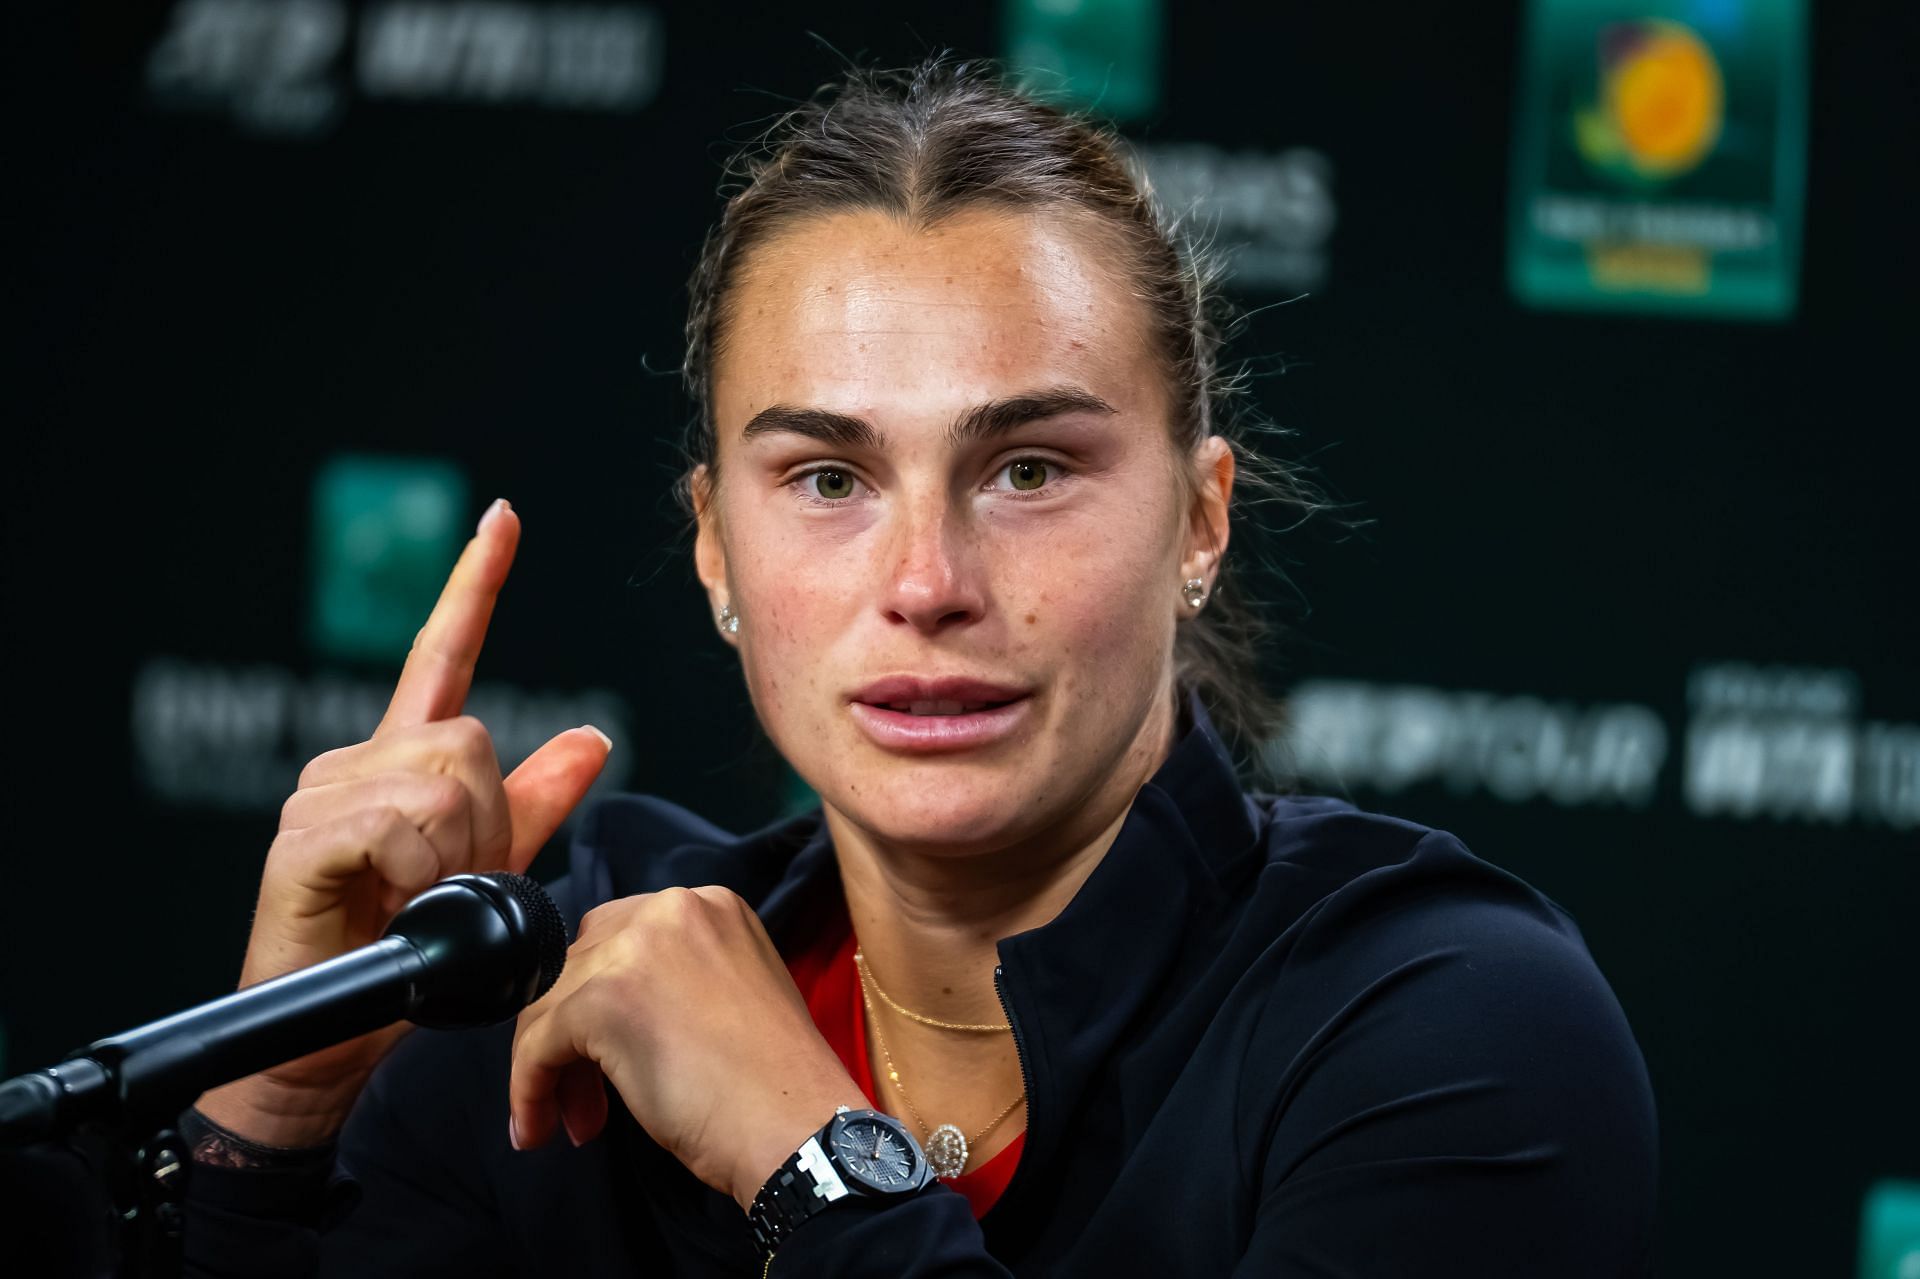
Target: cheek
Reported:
[(793, 599), (1088, 591)]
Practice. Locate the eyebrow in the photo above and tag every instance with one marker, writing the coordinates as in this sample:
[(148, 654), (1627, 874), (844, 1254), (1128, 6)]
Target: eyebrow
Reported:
[(981, 422)]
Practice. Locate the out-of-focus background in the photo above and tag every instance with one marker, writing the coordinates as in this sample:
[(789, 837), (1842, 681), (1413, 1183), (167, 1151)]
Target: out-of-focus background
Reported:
[(1598, 310)]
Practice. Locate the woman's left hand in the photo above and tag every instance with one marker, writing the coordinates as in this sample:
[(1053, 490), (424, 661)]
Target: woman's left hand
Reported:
[(681, 1001)]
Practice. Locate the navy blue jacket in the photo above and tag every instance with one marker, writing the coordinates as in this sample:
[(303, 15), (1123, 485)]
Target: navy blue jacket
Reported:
[(1269, 1036)]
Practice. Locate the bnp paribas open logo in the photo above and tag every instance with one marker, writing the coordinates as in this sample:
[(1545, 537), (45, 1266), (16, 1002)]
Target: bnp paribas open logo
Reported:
[(385, 532), (1660, 156), (1659, 107)]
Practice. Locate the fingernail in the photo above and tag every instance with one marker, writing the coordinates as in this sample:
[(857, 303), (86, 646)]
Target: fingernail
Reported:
[(513, 1132), (607, 741), (493, 512), (567, 1123)]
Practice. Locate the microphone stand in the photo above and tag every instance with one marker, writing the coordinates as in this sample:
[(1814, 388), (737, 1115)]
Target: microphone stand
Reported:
[(149, 1182), (132, 1171)]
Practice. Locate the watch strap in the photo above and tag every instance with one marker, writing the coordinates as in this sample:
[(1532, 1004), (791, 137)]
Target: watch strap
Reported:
[(803, 1186)]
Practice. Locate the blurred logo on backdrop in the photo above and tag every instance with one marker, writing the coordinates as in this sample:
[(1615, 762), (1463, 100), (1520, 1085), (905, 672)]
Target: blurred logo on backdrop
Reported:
[(1659, 156), (1096, 55), (1786, 744), (384, 532), (233, 736), (1890, 1231), (288, 68), (1269, 215), (1659, 107)]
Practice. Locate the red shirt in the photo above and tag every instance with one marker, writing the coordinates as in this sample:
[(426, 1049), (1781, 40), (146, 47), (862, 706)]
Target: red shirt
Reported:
[(830, 984)]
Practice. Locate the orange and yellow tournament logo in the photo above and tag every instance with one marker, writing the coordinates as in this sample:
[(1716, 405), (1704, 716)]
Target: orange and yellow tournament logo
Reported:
[(1661, 102), (1660, 156)]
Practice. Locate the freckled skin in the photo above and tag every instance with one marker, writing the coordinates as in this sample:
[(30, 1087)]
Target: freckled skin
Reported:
[(935, 567)]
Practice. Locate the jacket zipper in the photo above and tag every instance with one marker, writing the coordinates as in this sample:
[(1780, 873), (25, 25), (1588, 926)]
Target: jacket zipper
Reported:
[(1019, 1052)]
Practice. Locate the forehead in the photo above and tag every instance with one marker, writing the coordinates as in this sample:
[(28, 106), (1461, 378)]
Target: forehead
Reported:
[(860, 313)]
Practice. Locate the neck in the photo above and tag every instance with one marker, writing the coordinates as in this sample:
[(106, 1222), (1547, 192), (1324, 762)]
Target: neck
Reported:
[(930, 920)]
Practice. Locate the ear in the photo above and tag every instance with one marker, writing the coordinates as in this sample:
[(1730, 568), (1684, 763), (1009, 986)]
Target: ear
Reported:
[(709, 549), (1207, 519)]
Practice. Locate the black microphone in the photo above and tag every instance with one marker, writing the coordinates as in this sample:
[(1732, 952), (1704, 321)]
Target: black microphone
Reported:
[(469, 951)]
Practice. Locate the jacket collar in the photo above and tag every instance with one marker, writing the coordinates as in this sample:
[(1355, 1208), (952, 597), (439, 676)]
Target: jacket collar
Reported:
[(1075, 985)]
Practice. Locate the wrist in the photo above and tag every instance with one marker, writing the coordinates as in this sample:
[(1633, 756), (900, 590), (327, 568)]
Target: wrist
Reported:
[(286, 1117), (776, 1139), (211, 1145), (859, 1156)]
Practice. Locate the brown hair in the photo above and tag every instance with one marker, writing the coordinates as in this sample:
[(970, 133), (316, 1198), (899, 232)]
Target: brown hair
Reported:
[(927, 142)]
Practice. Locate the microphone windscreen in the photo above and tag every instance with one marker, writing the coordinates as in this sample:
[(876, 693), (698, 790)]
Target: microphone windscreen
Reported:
[(548, 926)]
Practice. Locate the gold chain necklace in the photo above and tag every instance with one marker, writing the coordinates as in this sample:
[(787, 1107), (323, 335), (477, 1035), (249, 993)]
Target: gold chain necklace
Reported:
[(948, 1149), (867, 978)]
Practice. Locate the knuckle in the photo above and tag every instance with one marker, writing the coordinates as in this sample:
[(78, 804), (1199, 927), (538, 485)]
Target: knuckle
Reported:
[(445, 797), (694, 916), (677, 906), (283, 849), (719, 897), (379, 824), (598, 919), (470, 737), (319, 766)]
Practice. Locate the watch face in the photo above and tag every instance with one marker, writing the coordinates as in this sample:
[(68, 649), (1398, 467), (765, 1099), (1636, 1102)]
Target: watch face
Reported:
[(876, 1152)]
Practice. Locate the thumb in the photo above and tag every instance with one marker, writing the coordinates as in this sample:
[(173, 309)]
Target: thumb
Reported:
[(544, 789)]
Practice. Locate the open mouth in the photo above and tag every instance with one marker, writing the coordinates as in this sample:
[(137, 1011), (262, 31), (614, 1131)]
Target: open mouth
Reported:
[(917, 714), (939, 708)]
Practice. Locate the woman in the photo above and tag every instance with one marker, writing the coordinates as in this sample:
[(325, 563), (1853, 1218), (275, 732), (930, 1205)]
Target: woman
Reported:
[(962, 505)]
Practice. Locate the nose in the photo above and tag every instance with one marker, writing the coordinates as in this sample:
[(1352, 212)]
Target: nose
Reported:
[(933, 575)]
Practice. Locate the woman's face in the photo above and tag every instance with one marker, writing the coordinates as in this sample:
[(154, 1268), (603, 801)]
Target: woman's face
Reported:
[(950, 518)]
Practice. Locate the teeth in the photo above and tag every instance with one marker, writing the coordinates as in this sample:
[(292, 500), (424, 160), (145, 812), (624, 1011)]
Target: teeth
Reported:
[(938, 708)]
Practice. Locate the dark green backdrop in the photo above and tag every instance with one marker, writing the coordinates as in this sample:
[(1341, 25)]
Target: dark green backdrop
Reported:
[(1584, 508)]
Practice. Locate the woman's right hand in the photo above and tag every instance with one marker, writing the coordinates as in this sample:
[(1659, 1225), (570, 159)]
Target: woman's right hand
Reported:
[(373, 824)]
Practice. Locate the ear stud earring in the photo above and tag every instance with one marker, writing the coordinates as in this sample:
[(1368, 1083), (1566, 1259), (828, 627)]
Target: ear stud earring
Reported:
[(1194, 591), (729, 620)]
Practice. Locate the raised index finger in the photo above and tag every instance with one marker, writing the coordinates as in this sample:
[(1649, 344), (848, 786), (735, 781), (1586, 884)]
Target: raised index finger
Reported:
[(433, 684)]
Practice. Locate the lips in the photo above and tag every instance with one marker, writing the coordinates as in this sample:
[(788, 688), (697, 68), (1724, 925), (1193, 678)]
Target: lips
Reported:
[(917, 716), (949, 696)]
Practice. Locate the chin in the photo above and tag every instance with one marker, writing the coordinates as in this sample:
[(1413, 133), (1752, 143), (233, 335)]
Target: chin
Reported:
[(944, 808)]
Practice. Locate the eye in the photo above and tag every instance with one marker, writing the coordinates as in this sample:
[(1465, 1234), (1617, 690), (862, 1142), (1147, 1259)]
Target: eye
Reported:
[(1027, 474), (829, 484)]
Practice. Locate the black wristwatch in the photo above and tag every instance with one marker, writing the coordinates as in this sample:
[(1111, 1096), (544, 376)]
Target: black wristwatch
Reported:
[(860, 1154)]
